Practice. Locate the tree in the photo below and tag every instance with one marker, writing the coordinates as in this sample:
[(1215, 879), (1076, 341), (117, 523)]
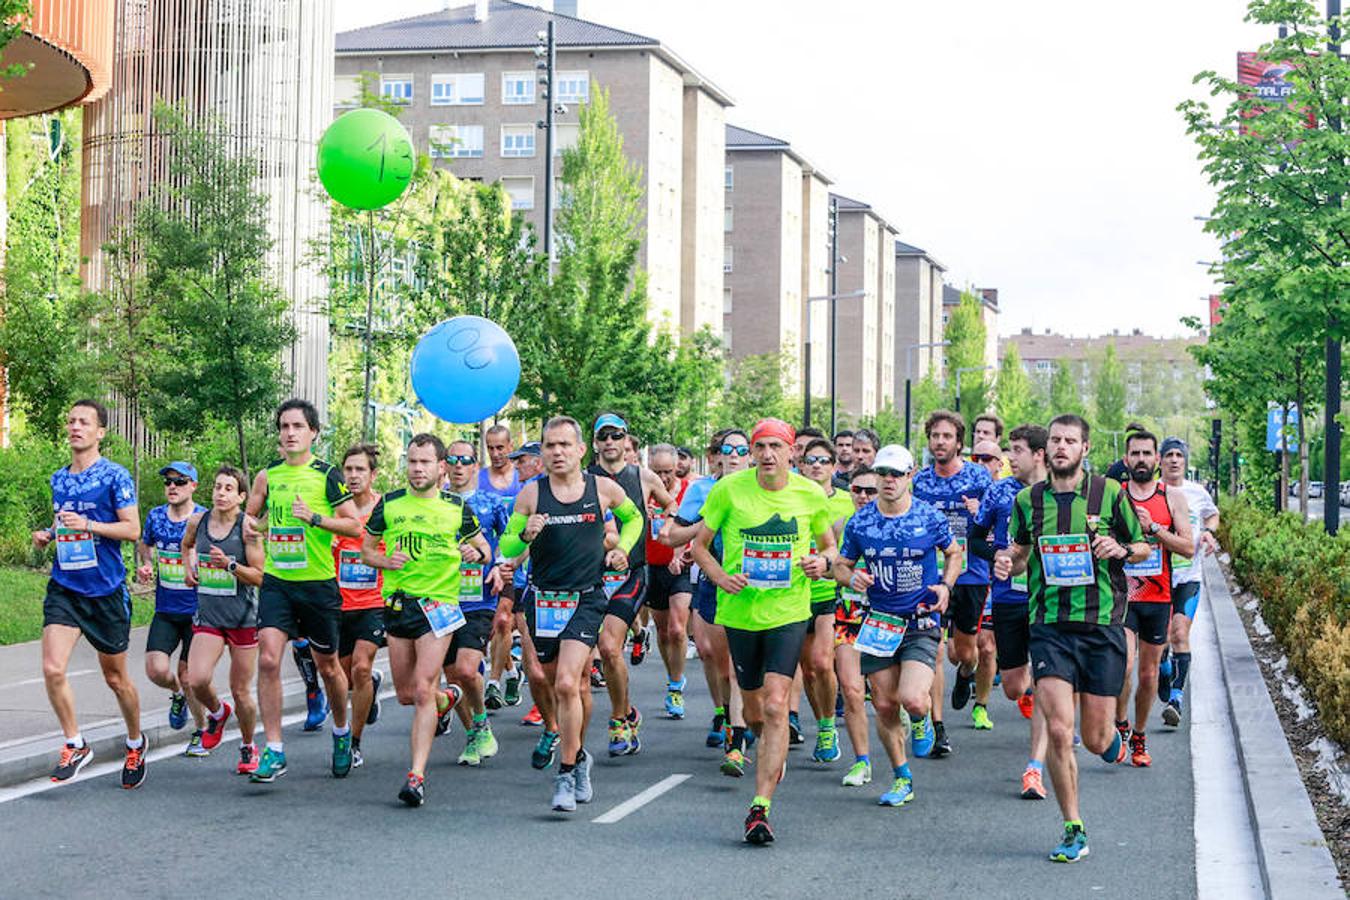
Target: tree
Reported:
[(887, 423), (1109, 392), (1065, 394), (926, 397), (967, 335), (755, 389), (13, 15), (1014, 401)]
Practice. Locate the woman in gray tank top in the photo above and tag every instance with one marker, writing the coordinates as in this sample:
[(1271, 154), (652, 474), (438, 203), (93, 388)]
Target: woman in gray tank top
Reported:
[(226, 571)]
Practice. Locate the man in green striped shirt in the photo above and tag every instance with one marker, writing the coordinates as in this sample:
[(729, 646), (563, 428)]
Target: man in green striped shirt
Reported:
[(1082, 530)]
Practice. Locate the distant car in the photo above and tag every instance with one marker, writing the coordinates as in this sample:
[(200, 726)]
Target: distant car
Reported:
[(1345, 493), (1314, 489)]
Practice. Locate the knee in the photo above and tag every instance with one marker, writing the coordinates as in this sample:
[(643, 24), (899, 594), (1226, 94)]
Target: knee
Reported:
[(157, 667), (117, 681), (774, 705), (405, 693), (361, 669), (327, 664), (916, 705), (53, 672), (269, 662), (465, 672), (886, 707), (424, 693), (200, 682), (1060, 734), (854, 693)]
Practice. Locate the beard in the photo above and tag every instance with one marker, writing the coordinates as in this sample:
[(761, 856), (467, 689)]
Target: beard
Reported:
[(1065, 470), (1141, 475)]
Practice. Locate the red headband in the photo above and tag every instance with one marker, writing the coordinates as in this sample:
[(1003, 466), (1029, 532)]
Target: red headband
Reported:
[(773, 428)]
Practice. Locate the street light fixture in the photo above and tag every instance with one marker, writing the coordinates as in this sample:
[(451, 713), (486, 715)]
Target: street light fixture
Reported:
[(806, 389), (909, 376)]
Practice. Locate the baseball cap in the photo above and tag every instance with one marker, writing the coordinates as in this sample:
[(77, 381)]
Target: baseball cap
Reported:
[(528, 449), (895, 458), (182, 468), (609, 420)]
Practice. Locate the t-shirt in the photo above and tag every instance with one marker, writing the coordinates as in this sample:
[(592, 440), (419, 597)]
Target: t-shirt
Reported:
[(765, 536), (658, 554), (296, 550), (899, 552), (1201, 507), (948, 496), (358, 583), (164, 537), (429, 530), (88, 564), (492, 510), (995, 514), (1087, 593), (840, 506)]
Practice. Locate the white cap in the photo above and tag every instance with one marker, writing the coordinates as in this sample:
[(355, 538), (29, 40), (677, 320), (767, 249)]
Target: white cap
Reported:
[(894, 456)]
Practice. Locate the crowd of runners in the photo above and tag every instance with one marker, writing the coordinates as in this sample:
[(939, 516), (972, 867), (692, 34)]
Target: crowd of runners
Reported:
[(801, 565)]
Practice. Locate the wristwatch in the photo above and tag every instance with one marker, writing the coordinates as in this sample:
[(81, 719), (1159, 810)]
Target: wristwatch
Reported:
[(315, 519), (1153, 528), (232, 566)]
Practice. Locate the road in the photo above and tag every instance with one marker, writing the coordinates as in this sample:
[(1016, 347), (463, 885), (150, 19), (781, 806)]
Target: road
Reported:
[(195, 827)]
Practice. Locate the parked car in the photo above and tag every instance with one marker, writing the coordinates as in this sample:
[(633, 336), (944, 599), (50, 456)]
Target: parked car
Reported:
[(1314, 489), (1345, 493)]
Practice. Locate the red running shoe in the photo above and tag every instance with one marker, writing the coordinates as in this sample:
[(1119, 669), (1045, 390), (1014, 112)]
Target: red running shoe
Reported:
[(215, 728), (1026, 704), (533, 717)]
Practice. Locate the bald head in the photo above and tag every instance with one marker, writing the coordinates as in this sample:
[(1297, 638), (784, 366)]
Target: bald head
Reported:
[(988, 454)]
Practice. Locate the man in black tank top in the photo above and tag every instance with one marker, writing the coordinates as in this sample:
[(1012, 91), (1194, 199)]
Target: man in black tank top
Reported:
[(625, 593), (560, 521)]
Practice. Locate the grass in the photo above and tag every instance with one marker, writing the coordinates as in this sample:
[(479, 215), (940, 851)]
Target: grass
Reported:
[(21, 593)]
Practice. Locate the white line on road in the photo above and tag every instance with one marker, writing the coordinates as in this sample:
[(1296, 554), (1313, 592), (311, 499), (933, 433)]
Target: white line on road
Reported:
[(27, 681), (632, 804)]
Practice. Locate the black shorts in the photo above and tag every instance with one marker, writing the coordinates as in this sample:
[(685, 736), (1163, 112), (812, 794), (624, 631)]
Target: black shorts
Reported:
[(584, 626), (1092, 659), (661, 586), (756, 653), (1012, 629), (966, 607), (308, 609), (918, 646), (169, 631), (104, 621), (1150, 621), (1185, 598), (627, 600), (360, 625), (472, 635), (404, 619)]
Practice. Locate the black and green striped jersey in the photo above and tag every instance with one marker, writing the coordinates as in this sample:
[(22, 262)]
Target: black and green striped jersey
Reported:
[(429, 530), (1066, 584)]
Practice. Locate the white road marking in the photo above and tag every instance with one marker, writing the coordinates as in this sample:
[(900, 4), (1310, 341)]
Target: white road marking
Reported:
[(632, 804), (27, 681)]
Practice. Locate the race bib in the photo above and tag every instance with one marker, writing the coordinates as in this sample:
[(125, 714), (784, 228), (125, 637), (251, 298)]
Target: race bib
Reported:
[(1066, 560), (442, 617), (75, 550), (612, 581), (286, 547), (766, 562), (552, 611), (215, 580), (172, 575), (471, 582), (1149, 566), (965, 557), (353, 574), (1181, 562), (1019, 582), (881, 634)]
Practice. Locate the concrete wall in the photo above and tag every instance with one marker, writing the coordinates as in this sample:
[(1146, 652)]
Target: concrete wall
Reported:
[(885, 319), (765, 264), (702, 201), (918, 318), (665, 178)]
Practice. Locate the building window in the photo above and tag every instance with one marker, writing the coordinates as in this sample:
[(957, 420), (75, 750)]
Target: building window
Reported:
[(518, 140), (451, 141), (457, 90), (517, 88), (726, 259), (347, 90), (726, 336), (398, 88), (730, 179), (565, 137), (572, 87), (521, 190), (726, 219), (726, 301)]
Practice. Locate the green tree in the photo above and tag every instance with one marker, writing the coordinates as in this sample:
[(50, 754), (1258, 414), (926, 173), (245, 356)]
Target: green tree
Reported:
[(14, 14), (926, 397), (1065, 394), (1109, 392), (1014, 401), (967, 336), (755, 389), (887, 422)]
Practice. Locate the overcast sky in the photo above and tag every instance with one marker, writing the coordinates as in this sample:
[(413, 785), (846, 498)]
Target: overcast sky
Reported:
[(1033, 147)]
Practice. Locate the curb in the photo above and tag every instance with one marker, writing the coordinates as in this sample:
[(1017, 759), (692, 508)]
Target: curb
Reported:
[(1290, 848)]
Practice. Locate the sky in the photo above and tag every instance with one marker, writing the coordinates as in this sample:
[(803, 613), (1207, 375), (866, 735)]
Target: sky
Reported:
[(1034, 147)]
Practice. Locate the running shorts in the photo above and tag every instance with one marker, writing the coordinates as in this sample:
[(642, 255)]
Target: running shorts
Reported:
[(472, 635), (662, 585), (756, 653), (919, 645), (1012, 630), (169, 631), (308, 609), (627, 600), (584, 626), (1185, 599), (1091, 659), (1150, 621), (104, 621), (360, 625)]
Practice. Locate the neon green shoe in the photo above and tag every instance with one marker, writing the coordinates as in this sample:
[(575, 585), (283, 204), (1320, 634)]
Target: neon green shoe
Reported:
[(859, 774), (471, 755), (487, 742), (979, 716)]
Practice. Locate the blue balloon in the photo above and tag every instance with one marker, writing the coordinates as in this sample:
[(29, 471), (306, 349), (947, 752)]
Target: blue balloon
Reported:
[(465, 369)]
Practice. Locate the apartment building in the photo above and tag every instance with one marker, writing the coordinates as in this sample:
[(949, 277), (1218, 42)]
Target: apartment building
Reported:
[(468, 80), (918, 314), (1147, 360), (866, 323)]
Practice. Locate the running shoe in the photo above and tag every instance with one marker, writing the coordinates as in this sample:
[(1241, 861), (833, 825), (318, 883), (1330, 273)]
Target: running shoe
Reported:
[(414, 792), (376, 679), (1171, 713), (194, 746), (271, 766), (979, 718), (444, 713), (795, 735), (921, 736), (1033, 786), (177, 711), (675, 699), (357, 759), (962, 687), (215, 728), (582, 777), (1074, 846), (1139, 751), (133, 768), (342, 754), (639, 651), (901, 792), (941, 745), (839, 704), (546, 751), (487, 742), (1026, 704), (598, 682), (565, 792), (733, 764), (716, 735), (493, 698), (1123, 729), (1165, 676), (470, 755), (827, 746), (248, 760), (634, 730), (512, 696), (757, 830), (859, 773), (71, 762), (533, 718), (317, 704), (619, 733), (998, 678)]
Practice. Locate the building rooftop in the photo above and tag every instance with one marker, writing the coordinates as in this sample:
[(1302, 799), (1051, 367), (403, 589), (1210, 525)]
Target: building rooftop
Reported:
[(849, 204), (744, 139), (903, 249)]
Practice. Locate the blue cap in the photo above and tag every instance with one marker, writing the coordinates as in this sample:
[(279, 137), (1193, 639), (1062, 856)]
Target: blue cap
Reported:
[(530, 449), (609, 420), (182, 468)]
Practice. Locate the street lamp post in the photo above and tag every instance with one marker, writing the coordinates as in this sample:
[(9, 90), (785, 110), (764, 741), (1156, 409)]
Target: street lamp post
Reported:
[(958, 380), (806, 389), (909, 376), (546, 54), (1331, 475), (834, 319)]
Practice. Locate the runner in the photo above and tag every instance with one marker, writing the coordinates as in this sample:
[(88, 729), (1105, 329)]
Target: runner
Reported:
[(362, 630), (560, 520), (795, 733), (306, 504), (849, 613), (226, 572), (631, 451), (947, 485), (503, 478), (843, 449), (668, 586), (1187, 578), (989, 427), (161, 557), (626, 592), (684, 463), (430, 533), (1083, 532), (1010, 626), (94, 511), (1165, 518), (985, 453), (865, 446), (894, 539), (529, 466), (1119, 470), (766, 519)]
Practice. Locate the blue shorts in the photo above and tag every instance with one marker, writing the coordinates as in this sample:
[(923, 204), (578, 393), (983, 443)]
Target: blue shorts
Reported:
[(705, 600)]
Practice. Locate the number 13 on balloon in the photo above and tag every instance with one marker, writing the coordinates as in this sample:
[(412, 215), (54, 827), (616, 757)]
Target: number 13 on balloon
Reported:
[(365, 159)]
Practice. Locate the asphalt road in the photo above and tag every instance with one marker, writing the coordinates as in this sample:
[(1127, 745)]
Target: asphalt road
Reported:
[(195, 828)]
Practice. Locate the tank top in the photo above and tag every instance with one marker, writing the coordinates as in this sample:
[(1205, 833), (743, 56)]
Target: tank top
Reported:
[(659, 554), (1150, 581), (630, 479), (222, 600), (569, 554)]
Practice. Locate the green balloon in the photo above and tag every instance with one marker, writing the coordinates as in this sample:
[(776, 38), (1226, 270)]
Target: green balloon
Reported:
[(365, 159)]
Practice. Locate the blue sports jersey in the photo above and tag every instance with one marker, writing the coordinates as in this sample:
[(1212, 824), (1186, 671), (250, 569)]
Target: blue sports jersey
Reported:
[(948, 496), (164, 537), (995, 511), (899, 552), (691, 509), (507, 493), (87, 564), (492, 511)]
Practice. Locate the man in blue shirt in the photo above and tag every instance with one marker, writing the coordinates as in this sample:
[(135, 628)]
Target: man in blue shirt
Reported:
[(94, 511)]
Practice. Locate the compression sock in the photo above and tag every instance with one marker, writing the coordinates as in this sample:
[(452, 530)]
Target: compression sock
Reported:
[(720, 711), (304, 661), (479, 719), (1112, 753), (1183, 668)]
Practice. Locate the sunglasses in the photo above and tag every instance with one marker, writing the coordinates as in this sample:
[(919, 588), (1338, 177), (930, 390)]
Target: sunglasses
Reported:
[(983, 458), (466, 460), (891, 473), (611, 435), (864, 491), (816, 460), (177, 482), (735, 449)]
